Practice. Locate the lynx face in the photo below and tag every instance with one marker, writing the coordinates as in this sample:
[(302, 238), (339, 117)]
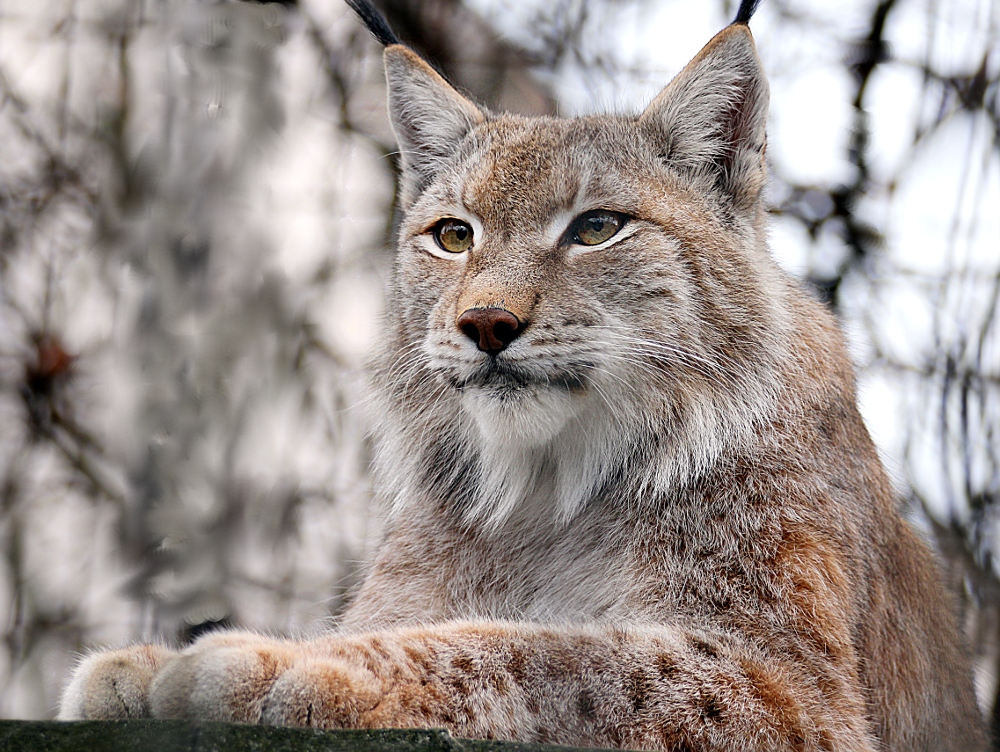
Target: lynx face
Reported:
[(524, 377), (570, 291), (581, 313)]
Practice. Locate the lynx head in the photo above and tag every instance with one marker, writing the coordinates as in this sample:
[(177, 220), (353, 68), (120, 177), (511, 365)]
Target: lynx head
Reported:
[(577, 303)]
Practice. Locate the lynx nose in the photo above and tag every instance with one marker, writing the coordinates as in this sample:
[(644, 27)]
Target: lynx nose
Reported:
[(492, 329)]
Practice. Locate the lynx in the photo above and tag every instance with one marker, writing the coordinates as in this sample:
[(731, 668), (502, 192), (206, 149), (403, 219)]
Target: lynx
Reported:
[(632, 501)]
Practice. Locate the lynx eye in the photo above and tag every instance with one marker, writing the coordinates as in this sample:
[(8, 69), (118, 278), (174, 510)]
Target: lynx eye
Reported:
[(594, 227), (453, 235)]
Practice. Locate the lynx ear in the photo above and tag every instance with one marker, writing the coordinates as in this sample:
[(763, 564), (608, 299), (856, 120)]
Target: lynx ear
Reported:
[(711, 118), (428, 116)]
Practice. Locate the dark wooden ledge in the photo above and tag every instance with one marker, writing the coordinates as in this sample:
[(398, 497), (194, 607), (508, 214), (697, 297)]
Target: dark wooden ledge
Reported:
[(181, 736)]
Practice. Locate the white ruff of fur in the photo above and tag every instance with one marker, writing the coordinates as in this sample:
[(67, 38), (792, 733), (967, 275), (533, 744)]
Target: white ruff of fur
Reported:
[(547, 451)]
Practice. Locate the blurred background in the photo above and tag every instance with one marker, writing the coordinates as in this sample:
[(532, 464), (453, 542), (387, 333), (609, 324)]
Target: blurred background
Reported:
[(196, 215)]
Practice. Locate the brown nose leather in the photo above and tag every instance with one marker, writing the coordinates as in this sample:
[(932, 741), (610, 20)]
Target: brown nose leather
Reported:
[(492, 329)]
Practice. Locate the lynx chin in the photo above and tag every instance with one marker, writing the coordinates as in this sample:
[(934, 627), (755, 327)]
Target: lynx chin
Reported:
[(631, 500)]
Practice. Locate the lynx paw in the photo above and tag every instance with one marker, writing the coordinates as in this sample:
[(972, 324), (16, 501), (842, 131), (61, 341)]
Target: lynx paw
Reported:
[(252, 679), (224, 677), (113, 685), (321, 693)]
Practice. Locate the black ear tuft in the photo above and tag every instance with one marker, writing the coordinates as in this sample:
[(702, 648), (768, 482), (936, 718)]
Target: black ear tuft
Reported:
[(747, 9), (375, 21)]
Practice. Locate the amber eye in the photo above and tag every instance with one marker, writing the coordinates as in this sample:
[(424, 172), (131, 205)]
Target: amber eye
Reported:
[(453, 235), (594, 227)]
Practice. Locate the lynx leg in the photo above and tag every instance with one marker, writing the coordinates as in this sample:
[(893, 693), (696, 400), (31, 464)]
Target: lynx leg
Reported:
[(113, 684)]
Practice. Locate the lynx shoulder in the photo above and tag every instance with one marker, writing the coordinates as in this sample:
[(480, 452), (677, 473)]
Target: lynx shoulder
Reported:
[(632, 502)]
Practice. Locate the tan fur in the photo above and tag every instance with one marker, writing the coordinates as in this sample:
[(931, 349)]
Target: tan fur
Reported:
[(655, 520)]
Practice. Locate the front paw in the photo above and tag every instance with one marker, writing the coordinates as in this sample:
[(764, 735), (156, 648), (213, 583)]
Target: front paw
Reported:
[(113, 684), (246, 678), (321, 692)]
